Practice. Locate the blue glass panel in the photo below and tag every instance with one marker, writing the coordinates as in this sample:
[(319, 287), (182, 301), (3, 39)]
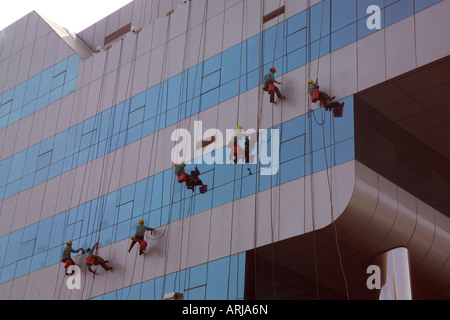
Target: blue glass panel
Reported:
[(32, 90), (229, 90), (5, 108), (217, 279), (343, 13), (19, 96), (8, 272), (296, 59), (292, 170), (212, 65), (196, 293), (230, 60), (211, 81), (292, 149), (148, 290), (46, 82), (223, 194), (174, 91), (43, 235), (17, 165), (396, 10), (210, 99), (423, 4), (12, 253), (343, 37), (253, 52), (296, 40), (26, 249), (296, 22), (38, 261), (58, 80), (321, 13)]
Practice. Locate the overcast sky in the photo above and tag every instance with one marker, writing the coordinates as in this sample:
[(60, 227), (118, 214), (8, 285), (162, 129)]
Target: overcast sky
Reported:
[(75, 15)]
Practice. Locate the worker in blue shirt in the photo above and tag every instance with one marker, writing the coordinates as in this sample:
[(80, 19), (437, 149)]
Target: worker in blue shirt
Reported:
[(66, 256), (139, 235), (270, 79)]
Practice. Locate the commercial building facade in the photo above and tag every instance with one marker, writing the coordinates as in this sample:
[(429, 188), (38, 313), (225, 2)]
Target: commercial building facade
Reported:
[(87, 126)]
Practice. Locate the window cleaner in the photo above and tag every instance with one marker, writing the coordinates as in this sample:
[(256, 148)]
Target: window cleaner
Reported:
[(192, 180), (139, 237), (95, 260), (66, 256), (324, 99), (270, 87)]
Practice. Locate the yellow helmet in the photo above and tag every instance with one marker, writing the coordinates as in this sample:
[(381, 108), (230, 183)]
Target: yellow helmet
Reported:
[(238, 128), (141, 221), (175, 164), (310, 81), (69, 243)]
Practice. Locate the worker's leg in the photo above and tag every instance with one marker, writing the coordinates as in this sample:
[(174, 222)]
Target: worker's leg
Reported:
[(272, 97), (278, 92), (103, 264), (133, 242)]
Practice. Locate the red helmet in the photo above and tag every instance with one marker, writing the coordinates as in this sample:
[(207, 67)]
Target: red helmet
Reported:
[(273, 69)]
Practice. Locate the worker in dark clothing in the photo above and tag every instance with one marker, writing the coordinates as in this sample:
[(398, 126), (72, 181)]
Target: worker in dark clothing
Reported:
[(191, 180), (95, 260), (66, 256), (269, 79), (139, 236), (324, 99)]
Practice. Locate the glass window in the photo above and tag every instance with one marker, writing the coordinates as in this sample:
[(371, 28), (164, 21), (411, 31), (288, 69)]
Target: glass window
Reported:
[(343, 13), (174, 85), (58, 80), (73, 63), (217, 279), (195, 293), (125, 211), (55, 95), (44, 160), (253, 53), (296, 22), (237, 277), (134, 293), (229, 90), (148, 290), (423, 4), (124, 230), (19, 96), (296, 40), (209, 99), (211, 81), (273, 43), (397, 10), (23, 267), (343, 37), (173, 116), (317, 13), (230, 64), (212, 65), (18, 161), (12, 253), (222, 194), (46, 82), (292, 170), (292, 149), (5, 108), (32, 90), (8, 272), (296, 59)]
